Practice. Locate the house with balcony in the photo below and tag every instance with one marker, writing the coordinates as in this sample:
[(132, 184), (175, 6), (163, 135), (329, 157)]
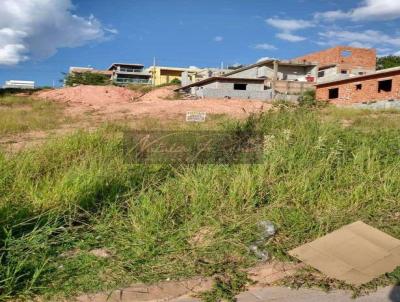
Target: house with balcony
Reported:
[(124, 74)]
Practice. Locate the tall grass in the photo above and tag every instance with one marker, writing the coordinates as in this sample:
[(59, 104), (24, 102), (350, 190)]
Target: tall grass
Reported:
[(21, 114), (158, 221)]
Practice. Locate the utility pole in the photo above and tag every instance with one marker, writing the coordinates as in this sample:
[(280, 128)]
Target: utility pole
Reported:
[(154, 71)]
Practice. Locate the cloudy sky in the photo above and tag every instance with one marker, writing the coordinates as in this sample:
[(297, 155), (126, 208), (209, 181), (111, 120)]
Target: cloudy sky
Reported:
[(39, 39)]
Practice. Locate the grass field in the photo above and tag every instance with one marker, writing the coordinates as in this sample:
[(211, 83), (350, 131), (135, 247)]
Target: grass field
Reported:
[(320, 169), (21, 114)]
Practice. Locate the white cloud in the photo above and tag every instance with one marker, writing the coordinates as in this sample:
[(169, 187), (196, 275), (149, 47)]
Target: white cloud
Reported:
[(377, 10), (368, 10), (368, 37), (360, 44), (264, 46), (288, 25), (218, 39), (111, 30), (331, 15), (36, 29), (290, 37), (384, 50)]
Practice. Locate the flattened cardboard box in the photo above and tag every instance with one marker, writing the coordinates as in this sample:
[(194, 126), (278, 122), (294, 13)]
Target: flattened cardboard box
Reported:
[(356, 253)]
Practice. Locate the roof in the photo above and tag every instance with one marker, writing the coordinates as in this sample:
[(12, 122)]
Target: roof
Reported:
[(20, 82), (105, 72), (249, 67), (89, 69), (222, 79), (327, 66), (262, 63), (382, 73), (174, 68), (80, 69), (125, 64)]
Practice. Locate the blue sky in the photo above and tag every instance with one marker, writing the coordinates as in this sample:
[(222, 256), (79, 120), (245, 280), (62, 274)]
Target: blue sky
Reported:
[(39, 39)]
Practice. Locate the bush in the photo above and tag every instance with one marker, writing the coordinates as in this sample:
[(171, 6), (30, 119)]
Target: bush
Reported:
[(86, 78), (142, 88), (176, 82), (308, 99), (388, 62)]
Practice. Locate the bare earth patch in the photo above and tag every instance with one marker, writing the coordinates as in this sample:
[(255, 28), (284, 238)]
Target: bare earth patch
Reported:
[(263, 275), (110, 102)]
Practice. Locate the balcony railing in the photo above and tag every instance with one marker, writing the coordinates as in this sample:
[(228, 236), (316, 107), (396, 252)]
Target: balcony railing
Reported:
[(133, 81), (130, 70)]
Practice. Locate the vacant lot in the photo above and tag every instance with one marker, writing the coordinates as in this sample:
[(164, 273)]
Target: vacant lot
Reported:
[(81, 214), (20, 114)]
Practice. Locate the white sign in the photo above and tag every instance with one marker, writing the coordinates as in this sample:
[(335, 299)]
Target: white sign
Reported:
[(196, 117)]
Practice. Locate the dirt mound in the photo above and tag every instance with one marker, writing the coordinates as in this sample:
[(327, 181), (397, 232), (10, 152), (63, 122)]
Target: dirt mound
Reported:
[(94, 96), (162, 93), (111, 103)]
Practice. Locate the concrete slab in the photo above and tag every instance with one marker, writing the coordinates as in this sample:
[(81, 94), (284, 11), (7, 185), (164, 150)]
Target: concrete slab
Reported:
[(281, 294)]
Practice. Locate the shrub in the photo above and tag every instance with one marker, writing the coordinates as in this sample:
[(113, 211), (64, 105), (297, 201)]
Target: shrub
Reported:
[(86, 78), (388, 62), (307, 99), (176, 82)]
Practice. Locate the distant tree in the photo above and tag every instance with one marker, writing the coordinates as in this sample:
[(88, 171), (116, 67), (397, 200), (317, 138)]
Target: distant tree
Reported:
[(235, 66), (176, 82), (86, 78), (388, 62)]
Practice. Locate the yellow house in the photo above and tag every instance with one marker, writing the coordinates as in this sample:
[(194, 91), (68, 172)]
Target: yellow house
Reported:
[(161, 75)]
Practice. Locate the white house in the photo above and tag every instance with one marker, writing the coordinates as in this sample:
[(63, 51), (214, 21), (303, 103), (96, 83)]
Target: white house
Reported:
[(20, 84)]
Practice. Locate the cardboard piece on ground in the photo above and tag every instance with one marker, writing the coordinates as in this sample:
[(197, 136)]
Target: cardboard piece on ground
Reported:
[(356, 253)]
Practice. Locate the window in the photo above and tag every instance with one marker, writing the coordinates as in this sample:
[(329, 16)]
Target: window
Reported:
[(358, 86), (346, 53), (362, 73), (333, 93), (344, 71), (385, 85), (321, 73), (239, 86)]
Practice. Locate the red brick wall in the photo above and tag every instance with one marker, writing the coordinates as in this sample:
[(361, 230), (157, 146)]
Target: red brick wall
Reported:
[(369, 92), (360, 58)]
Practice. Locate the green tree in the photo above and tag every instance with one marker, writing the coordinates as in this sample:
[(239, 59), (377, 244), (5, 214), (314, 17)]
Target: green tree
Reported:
[(86, 78), (388, 62)]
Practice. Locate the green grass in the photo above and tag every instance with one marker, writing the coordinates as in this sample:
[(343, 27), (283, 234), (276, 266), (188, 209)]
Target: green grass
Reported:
[(22, 114), (85, 191)]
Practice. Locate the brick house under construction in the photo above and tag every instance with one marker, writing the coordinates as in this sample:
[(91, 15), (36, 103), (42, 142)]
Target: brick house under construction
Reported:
[(341, 62), (383, 85)]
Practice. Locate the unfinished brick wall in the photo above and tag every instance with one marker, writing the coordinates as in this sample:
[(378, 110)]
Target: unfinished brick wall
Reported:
[(360, 58), (349, 94)]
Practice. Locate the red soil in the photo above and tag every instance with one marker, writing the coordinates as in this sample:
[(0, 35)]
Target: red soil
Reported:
[(116, 102)]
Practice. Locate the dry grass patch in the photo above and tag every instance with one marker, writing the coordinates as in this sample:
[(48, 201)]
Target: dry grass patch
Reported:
[(21, 114)]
